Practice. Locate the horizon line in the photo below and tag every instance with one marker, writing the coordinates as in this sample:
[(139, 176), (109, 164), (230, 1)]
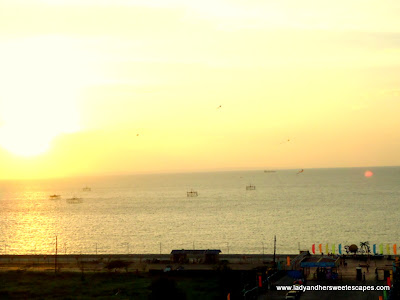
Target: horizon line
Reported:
[(116, 174)]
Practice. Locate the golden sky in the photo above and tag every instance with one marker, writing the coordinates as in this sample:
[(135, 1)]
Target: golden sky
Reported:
[(132, 86)]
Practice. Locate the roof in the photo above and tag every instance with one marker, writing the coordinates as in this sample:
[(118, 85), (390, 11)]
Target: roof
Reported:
[(319, 261), (196, 252)]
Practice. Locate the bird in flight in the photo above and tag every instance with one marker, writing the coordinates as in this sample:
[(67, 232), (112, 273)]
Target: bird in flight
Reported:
[(301, 171), (219, 106)]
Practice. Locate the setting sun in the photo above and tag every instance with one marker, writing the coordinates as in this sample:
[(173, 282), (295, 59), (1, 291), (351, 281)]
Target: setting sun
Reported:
[(39, 95), (81, 79)]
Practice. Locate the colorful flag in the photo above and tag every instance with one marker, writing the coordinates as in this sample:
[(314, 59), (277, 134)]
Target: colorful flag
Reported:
[(320, 248), (395, 249), (340, 249), (313, 248), (333, 248), (288, 260), (374, 248)]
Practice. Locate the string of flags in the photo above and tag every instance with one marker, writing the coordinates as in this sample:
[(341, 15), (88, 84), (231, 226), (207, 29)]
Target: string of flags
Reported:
[(374, 249)]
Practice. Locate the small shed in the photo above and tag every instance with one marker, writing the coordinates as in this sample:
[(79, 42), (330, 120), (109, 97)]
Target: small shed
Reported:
[(200, 256)]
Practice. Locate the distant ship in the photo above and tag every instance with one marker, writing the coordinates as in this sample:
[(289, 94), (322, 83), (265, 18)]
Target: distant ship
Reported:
[(54, 197), (74, 200), (192, 193), (250, 187), (86, 189), (269, 171)]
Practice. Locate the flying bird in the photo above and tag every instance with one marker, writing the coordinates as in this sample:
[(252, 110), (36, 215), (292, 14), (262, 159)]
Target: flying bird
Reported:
[(301, 171), (219, 106)]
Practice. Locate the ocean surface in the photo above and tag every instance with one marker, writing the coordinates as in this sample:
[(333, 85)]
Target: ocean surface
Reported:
[(152, 213)]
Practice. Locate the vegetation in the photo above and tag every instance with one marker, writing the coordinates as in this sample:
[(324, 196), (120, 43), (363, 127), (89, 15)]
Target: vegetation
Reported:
[(364, 247), (117, 264), (106, 285)]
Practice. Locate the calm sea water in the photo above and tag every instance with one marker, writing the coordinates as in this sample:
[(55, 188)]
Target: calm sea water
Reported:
[(149, 213)]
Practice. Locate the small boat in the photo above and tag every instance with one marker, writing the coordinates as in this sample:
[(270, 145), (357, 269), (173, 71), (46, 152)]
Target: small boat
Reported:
[(192, 193), (269, 171), (74, 200), (54, 197), (250, 187), (86, 189)]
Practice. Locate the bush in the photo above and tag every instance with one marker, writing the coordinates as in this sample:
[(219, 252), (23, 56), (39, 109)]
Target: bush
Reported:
[(117, 264)]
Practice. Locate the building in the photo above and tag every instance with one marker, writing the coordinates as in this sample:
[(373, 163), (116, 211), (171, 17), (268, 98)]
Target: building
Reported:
[(195, 256)]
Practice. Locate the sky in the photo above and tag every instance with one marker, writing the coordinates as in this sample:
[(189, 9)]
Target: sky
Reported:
[(94, 87)]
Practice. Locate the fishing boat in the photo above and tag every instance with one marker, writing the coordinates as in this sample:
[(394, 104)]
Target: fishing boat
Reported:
[(54, 197), (74, 200), (86, 189), (250, 187), (192, 193)]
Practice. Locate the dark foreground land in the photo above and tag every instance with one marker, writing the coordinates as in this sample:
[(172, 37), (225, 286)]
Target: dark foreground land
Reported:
[(140, 277), (73, 285)]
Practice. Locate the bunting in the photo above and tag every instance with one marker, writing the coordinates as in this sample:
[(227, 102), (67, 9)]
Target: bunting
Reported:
[(313, 248), (395, 249), (320, 248), (374, 248), (340, 249)]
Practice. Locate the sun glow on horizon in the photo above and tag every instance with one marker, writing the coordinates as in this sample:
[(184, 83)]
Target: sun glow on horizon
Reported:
[(39, 98), (209, 85)]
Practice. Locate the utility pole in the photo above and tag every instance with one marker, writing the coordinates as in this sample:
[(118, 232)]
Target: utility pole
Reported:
[(274, 247), (55, 259)]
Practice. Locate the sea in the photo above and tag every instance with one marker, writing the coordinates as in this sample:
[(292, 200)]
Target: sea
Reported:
[(152, 214)]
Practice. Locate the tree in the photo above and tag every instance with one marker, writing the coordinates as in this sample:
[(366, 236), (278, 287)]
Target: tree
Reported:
[(364, 246), (117, 264)]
